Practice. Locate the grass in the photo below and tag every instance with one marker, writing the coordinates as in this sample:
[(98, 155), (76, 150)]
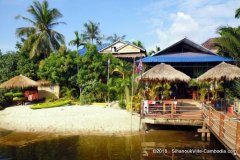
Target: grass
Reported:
[(50, 104)]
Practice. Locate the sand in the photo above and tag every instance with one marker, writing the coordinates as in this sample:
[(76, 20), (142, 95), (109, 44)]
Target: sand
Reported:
[(70, 119)]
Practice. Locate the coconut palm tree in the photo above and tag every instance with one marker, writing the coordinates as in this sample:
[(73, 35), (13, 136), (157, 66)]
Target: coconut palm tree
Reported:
[(78, 41), (41, 39), (237, 13), (92, 32), (138, 43), (229, 41), (115, 38)]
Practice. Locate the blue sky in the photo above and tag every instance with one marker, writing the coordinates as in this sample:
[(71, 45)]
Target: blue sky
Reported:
[(154, 22)]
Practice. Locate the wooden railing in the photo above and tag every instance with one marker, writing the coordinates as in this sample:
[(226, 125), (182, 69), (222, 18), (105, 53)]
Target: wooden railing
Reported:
[(170, 110), (226, 128)]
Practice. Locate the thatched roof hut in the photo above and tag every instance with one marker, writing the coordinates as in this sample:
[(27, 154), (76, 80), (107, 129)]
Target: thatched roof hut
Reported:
[(223, 71), (163, 72), (19, 82)]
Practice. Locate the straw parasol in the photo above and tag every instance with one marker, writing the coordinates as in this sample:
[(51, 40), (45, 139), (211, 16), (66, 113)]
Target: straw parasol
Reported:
[(163, 72), (223, 71), (19, 82)]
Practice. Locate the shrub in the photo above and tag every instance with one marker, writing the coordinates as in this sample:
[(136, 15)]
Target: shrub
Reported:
[(50, 104), (87, 98)]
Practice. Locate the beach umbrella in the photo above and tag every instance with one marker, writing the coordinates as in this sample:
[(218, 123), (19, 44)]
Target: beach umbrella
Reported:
[(162, 73), (19, 82), (223, 71)]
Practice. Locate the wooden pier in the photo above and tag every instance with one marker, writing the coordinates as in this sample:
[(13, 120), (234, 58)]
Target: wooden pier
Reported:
[(225, 127)]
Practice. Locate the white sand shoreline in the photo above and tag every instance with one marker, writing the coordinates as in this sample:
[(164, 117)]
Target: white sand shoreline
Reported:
[(70, 120)]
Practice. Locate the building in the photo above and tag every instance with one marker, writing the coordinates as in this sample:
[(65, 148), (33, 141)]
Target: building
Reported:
[(120, 49), (211, 45), (188, 57)]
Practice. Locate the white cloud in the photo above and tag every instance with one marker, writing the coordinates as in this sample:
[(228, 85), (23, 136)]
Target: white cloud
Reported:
[(198, 20)]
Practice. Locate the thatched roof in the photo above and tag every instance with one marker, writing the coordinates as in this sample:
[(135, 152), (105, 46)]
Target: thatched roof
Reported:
[(222, 71), (43, 82), (19, 82), (163, 72)]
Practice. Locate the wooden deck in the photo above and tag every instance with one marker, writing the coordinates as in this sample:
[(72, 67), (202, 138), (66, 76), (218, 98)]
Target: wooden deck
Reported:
[(172, 113), (226, 127)]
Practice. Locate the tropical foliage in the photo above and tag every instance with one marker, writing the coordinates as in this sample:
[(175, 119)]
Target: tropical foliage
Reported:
[(92, 32), (40, 38), (138, 43), (228, 42), (115, 38), (78, 41)]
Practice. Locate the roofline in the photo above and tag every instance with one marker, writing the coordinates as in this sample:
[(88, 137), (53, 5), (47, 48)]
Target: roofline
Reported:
[(112, 44), (133, 46), (122, 46), (186, 40)]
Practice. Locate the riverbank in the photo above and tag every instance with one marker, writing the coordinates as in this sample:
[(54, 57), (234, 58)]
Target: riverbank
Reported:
[(70, 119)]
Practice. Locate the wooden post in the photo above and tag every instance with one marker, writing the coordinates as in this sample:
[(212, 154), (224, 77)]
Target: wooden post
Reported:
[(210, 116), (221, 124), (238, 138), (171, 110), (164, 108)]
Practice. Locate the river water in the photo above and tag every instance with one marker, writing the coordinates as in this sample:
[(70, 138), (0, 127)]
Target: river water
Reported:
[(162, 144)]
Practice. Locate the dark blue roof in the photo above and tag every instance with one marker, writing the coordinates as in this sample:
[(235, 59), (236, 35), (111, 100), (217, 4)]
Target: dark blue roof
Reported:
[(100, 47), (186, 57)]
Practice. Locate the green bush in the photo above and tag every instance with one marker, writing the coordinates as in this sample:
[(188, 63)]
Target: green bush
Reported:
[(50, 104), (87, 98), (5, 101)]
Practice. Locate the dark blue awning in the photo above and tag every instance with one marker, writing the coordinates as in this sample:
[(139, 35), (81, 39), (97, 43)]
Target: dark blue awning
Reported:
[(186, 57)]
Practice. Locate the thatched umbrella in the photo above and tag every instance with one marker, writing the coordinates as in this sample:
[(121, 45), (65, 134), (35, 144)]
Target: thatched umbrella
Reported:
[(163, 72), (19, 82), (222, 71)]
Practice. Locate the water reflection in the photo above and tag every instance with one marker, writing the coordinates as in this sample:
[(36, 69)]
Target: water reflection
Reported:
[(154, 145)]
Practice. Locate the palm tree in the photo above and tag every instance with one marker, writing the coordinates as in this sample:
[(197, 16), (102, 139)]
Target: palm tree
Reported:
[(229, 41), (115, 38), (92, 32), (138, 43), (41, 39), (78, 41), (237, 13)]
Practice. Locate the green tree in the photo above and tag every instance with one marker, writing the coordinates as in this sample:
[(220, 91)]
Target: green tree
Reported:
[(60, 68), (152, 52), (228, 42), (41, 39), (8, 66), (115, 38), (78, 41), (138, 43), (237, 13), (92, 32)]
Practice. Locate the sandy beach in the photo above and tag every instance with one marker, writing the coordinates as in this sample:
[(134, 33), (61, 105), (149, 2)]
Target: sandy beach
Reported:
[(70, 119)]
